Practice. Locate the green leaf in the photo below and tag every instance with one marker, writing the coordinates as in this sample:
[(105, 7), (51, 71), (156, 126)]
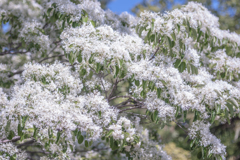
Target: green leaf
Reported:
[(199, 155), (83, 72), (8, 126), (173, 36), (194, 69), (152, 26), (189, 68), (147, 112), (93, 23), (98, 67), (155, 115), (140, 31), (58, 136), (64, 146), (35, 132), (80, 139), (182, 67), (218, 93), (159, 90), (79, 58), (91, 59), (137, 83), (181, 44), (169, 42), (177, 63), (99, 114), (213, 115), (163, 82), (90, 143), (143, 93), (184, 116), (217, 108), (137, 27), (194, 34), (178, 27), (74, 24), (192, 143), (230, 107), (199, 35), (19, 130), (109, 133), (71, 57), (177, 111), (11, 135), (144, 84), (212, 65), (49, 11), (195, 116), (85, 19), (63, 24), (24, 119), (116, 70), (233, 101)]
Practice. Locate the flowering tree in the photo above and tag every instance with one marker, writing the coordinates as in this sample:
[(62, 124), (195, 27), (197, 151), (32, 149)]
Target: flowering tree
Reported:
[(63, 62)]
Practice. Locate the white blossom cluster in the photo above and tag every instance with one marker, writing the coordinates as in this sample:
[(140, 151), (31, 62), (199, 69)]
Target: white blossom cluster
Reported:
[(21, 9), (10, 150), (201, 129), (174, 63), (102, 42), (117, 129), (30, 33), (152, 149), (222, 62)]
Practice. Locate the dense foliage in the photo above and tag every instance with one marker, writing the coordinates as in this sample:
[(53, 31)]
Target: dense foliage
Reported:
[(63, 62), (228, 11)]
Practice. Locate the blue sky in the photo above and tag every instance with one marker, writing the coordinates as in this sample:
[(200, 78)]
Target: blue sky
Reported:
[(119, 6)]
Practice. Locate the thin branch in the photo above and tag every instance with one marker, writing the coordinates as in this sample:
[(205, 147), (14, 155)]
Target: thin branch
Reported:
[(130, 105), (180, 126), (155, 51), (131, 109), (135, 114), (14, 139), (35, 152), (114, 87), (12, 74), (45, 25), (123, 103), (26, 143), (93, 149), (103, 88), (123, 97), (50, 58)]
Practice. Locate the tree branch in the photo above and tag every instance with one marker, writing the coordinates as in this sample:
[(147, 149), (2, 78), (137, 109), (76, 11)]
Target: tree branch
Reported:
[(155, 51), (50, 58), (131, 109), (14, 139)]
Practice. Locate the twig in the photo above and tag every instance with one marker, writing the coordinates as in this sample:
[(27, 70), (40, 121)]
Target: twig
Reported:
[(180, 126), (14, 139), (131, 109), (155, 51), (50, 58), (127, 106), (26, 143), (114, 87)]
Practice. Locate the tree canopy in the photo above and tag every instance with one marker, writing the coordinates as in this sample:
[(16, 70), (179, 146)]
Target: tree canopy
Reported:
[(63, 64)]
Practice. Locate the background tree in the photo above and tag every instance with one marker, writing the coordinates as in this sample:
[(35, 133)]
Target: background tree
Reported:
[(104, 3), (228, 11)]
